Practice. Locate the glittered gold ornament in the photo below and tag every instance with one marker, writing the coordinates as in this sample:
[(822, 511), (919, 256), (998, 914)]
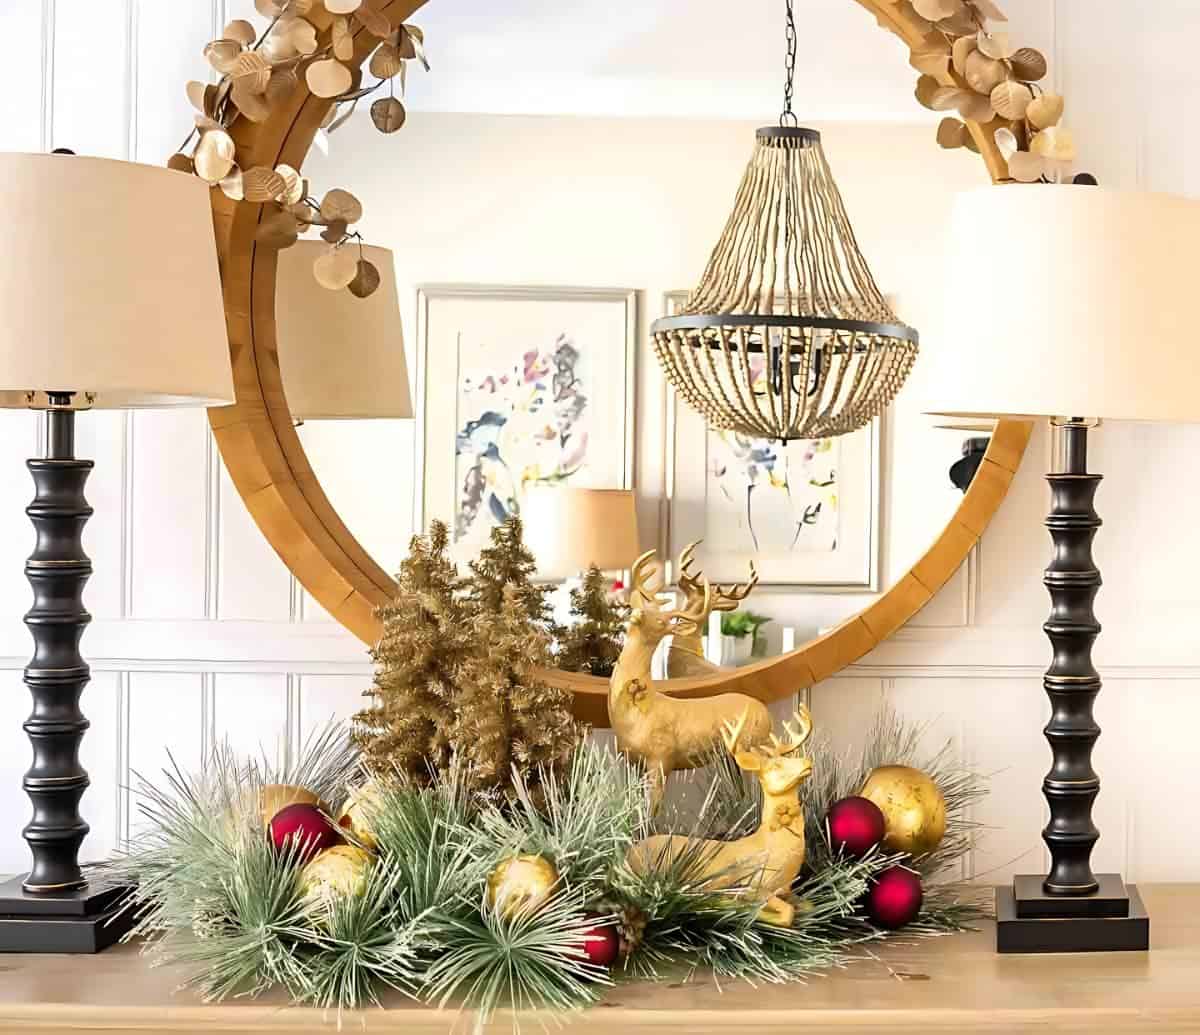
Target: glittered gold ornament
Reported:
[(912, 805), (338, 872), (359, 811), (522, 884)]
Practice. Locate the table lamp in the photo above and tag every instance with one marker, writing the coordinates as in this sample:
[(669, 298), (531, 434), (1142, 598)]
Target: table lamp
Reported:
[(571, 530), (340, 357), (112, 300), (1072, 303)]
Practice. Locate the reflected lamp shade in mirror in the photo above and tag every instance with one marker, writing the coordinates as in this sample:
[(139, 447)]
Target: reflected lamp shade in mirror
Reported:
[(340, 357), (569, 530), (110, 286)]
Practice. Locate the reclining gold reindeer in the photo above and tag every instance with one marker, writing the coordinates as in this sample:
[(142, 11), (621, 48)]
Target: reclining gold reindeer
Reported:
[(686, 657), (764, 864), (662, 732)]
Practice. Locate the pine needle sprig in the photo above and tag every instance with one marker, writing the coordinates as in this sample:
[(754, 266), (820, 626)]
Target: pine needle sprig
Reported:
[(584, 819), (530, 960)]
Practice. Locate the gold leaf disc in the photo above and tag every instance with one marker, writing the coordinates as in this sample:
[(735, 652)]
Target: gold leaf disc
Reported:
[(249, 101), (214, 155), (270, 8), (947, 98), (336, 268), (293, 184), (242, 31), (1010, 100), (341, 204), (388, 114), (996, 45), (181, 163), (950, 133), (975, 107), (262, 184), (221, 54), (1045, 111), (279, 230), (197, 94), (281, 86), (984, 74), (375, 23), (342, 36), (927, 86), (328, 78), (1029, 65), (366, 280), (1025, 168), (1055, 143), (252, 69), (1006, 141), (334, 232), (233, 185), (302, 35), (342, 6), (936, 10), (964, 47), (385, 62)]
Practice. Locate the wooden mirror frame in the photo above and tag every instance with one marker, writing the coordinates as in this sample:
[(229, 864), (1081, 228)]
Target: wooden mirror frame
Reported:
[(262, 451)]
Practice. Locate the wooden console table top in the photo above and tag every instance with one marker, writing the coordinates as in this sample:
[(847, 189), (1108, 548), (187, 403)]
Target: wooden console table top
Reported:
[(952, 984)]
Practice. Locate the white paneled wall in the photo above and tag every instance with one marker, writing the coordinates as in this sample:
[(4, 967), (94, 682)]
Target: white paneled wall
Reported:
[(201, 634)]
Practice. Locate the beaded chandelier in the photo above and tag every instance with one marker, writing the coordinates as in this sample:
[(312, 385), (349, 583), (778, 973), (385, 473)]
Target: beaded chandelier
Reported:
[(787, 335)]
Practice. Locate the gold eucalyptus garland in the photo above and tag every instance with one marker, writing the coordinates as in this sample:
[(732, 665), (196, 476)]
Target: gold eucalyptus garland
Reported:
[(258, 73), (970, 65)]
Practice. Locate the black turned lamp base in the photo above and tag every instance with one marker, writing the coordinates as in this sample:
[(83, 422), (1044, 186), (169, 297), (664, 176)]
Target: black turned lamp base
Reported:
[(1112, 919), (88, 920)]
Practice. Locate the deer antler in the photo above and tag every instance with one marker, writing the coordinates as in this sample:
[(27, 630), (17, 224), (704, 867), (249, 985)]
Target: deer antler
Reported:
[(723, 598), (640, 574), (728, 599), (797, 735), (731, 731)]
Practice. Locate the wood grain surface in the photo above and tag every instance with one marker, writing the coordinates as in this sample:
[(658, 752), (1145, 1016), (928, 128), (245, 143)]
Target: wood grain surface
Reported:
[(952, 984)]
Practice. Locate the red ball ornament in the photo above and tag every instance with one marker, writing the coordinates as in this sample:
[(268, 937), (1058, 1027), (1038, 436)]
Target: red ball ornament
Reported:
[(308, 825), (602, 945), (895, 898), (856, 825)]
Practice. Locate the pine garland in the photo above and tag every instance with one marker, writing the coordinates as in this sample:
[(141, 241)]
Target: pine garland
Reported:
[(217, 898)]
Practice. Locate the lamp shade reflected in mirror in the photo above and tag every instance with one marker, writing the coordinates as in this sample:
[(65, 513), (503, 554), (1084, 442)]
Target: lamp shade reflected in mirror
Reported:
[(341, 357), (570, 530)]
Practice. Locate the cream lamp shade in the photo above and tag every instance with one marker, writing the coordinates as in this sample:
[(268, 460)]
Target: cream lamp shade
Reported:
[(569, 530), (340, 357), (1069, 301), (109, 286)]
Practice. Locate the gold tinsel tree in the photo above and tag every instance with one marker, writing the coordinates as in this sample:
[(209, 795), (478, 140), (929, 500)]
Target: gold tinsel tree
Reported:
[(592, 643), (426, 638), (507, 717), (507, 564)]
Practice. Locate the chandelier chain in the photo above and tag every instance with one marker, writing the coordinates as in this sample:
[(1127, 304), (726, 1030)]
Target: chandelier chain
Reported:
[(788, 117)]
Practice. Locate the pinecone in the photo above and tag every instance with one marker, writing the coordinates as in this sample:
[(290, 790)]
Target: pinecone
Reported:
[(631, 924)]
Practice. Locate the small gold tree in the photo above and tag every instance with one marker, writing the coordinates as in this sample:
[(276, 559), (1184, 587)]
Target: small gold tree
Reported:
[(507, 564), (506, 718), (426, 638), (593, 642)]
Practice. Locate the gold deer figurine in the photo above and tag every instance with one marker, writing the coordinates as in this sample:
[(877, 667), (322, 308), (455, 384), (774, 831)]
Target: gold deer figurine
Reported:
[(686, 657), (765, 863), (662, 732)]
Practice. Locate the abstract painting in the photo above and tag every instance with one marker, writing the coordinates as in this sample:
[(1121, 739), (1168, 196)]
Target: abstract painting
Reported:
[(521, 388), (805, 512)]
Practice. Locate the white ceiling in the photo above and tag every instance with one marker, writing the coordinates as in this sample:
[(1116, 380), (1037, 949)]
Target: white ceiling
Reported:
[(686, 58)]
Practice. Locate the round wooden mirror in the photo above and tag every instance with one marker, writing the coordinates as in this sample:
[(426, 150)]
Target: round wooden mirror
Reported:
[(267, 462)]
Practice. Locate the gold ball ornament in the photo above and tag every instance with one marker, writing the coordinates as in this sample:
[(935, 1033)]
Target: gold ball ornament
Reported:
[(359, 811), (276, 796), (522, 884), (913, 808), (338, 872)]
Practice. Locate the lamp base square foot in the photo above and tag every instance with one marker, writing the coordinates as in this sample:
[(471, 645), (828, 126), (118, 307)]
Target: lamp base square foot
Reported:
[(1081, 932), (84, 921)]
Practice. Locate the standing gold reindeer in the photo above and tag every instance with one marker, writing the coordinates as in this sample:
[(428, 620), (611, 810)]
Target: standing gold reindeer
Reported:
[(765, 863), (686, 657), (662, 732)]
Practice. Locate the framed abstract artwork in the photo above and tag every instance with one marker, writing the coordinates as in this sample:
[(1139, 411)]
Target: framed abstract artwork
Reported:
[(806, 512), (520, 387)]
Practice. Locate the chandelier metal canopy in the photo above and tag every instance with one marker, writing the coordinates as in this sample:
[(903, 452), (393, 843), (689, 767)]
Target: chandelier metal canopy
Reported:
[(787, 335)]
